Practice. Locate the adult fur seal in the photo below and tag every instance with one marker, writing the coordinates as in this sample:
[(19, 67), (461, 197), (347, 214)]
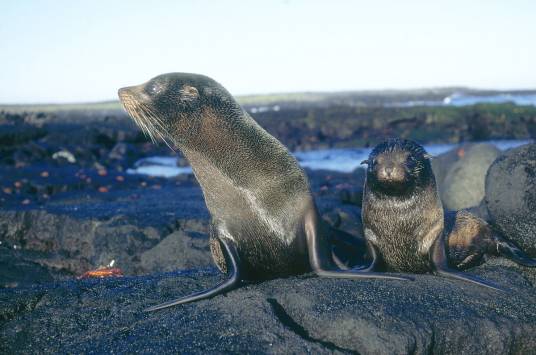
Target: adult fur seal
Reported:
[(404, 219), (264, 221)]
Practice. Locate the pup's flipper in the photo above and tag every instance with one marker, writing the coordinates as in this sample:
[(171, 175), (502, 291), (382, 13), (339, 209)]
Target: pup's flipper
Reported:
[(438, 257)]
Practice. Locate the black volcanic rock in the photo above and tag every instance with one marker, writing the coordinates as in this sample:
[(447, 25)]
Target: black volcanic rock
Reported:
[(76, 231), (17, 269), (61, 218), (511, 196), (352, 196), (293, 315), (179, 250)]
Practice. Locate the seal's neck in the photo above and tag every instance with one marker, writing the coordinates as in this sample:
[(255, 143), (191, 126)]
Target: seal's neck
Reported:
[(233, 144)]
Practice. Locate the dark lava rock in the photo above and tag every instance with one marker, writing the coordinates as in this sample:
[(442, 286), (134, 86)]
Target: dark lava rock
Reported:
[(144, 225), (511, 196), (294, 315), (17, 270), (125, 153), (178, 251), (59, 220), (76, 233), (19, 133), (352, 196)]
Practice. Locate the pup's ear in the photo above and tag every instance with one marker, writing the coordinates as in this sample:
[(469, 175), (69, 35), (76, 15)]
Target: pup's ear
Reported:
[(365, 162)]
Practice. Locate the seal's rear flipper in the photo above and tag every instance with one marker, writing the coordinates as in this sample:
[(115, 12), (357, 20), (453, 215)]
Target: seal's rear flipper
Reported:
[(510, 251), (439, 260), (233, 266), (468, 278)]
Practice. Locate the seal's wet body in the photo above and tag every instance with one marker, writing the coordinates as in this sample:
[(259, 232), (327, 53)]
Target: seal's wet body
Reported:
[(404, 219), (264, 221)]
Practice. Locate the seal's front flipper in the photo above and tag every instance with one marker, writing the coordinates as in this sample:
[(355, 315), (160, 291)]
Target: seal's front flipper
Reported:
[(372, 253), (233, 267), (359, 273), (356, 274), (439, 261), (510, 251), (320, 258)]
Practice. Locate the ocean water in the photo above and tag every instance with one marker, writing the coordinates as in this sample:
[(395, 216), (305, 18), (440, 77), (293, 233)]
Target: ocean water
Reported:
[(341, 160), (461, 99), (159, 166), (466, 100)]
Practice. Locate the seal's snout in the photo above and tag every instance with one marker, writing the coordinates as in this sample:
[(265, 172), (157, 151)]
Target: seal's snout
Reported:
[(387, 171), (391, 174), (124, 93), (121, 92), (129, 97)]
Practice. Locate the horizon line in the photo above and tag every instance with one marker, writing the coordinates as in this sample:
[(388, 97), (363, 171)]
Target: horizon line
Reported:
[(294, 93)]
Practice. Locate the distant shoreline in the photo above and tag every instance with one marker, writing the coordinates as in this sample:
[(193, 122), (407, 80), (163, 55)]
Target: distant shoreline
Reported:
[(364, 98)]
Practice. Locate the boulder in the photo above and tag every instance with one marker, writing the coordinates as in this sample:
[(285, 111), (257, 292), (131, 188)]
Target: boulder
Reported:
[(442, 163), (463, 186), (179, 250), (511, 196), (73, 235)]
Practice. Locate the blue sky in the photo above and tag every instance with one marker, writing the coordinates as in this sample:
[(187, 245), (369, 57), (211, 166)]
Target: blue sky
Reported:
[(82, 51)]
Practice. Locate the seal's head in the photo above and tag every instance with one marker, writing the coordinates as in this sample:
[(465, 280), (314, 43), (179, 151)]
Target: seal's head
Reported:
[(398, 166), (171, 106)]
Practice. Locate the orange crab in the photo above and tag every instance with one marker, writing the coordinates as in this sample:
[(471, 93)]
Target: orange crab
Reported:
[(103, 271)]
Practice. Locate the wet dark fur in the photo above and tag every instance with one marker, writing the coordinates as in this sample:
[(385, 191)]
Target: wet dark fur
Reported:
[(264, 221), (471, 241), (398, 216), (241, 168), (403, 217)]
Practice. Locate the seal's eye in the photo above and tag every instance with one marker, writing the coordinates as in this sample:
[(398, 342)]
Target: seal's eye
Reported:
[(189, 93), (154, 88)]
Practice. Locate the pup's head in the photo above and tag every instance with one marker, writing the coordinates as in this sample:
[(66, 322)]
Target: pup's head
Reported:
[(398, 166)]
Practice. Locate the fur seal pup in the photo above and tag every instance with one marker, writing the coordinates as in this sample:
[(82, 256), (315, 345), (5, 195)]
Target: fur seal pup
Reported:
[(471, 240), (403, 219), (264, 221)]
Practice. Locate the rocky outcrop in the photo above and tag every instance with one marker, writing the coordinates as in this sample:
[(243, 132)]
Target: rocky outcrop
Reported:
[(68, 206), (293, 315), (511, 196), (461, 174)]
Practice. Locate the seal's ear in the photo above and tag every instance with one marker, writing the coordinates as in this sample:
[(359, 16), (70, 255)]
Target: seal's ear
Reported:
[(366, 161), (189, 93)]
